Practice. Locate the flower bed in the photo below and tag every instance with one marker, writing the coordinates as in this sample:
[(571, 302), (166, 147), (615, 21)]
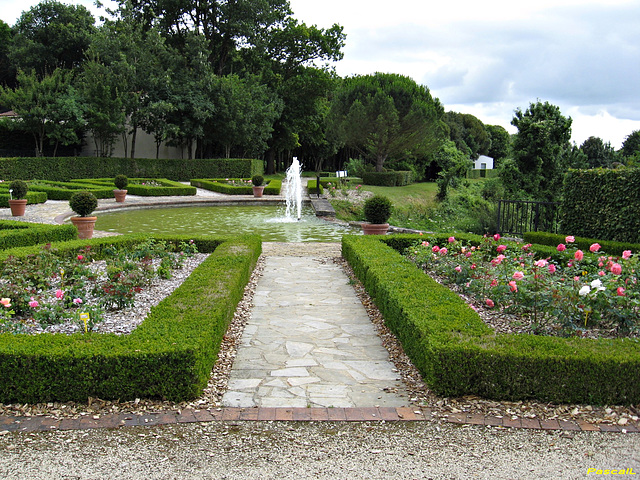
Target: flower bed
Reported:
[(590, 295), (457, 354), (169, 356), (49, 293)]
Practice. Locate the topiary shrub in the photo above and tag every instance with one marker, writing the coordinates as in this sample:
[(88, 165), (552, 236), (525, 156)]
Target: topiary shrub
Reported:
[(18, 189), (121, 182), (257, 180), (377, 209), (83, 203)]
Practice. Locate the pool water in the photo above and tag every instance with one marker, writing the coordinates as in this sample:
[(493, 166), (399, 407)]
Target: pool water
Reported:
[(268, 221)]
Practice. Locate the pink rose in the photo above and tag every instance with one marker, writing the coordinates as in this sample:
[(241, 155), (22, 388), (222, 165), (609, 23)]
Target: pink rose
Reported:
[(541, 263), (518, 275), (601, 273), (514, 286), (594, 247), (626, 254), (77, 301), (435, 249), (620, 292), (5, 302), (425, 244), (494, 282), (576, 279), (570, 239), (552, 268), (80, 257), (443, 251), (578, 255), (501, 248), (561, 247), (458, 269), (616, 269), (59, 294), (489, 303), (473, 266), (33, 303), (496, 237), (452, 239)]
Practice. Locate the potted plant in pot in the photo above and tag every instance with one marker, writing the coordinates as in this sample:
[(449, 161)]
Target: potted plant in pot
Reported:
[(258, 187), (377, 211), (121, 182), (84, 203), (17, 201)]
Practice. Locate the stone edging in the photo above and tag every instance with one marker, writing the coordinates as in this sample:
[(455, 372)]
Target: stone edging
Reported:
[(370, 414)]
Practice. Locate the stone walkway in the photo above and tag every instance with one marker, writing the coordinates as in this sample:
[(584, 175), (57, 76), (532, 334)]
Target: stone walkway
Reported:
[(310, 343)]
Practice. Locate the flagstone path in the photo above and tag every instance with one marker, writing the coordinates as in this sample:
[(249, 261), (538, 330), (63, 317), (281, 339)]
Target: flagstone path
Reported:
[(310, 343)]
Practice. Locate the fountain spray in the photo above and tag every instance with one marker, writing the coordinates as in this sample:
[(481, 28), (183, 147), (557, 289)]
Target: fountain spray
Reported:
[(294, 189)]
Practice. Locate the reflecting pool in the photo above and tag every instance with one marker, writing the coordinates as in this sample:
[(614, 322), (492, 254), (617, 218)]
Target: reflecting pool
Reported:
[(268, 221)]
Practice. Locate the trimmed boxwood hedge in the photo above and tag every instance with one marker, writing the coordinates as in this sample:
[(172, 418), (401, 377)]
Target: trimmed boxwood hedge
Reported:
[(66, 168), (457, 354), (64, 190), (32, 198), (169, 356), (19, 234), (219, 185), (607, 246), (167, 188)]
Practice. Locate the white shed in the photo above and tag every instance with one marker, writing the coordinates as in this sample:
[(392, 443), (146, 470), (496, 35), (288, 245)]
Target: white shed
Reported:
[(483, 163)]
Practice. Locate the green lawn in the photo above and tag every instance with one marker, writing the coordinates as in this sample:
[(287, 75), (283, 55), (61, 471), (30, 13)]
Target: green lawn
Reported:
[(401, 196)]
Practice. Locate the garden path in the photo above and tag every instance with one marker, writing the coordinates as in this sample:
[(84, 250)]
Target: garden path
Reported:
[(309, 342)]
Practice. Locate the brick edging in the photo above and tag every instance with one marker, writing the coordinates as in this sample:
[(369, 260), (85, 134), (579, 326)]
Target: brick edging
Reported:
[(370, 414)]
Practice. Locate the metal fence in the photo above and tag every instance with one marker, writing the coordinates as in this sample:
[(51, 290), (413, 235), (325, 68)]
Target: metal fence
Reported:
[(515, 217)]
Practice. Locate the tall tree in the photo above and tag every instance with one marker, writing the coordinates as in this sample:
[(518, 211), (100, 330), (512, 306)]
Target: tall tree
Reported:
[(386, 116), (631, 145), (500, 143), (7, 71), (51, 35), (47, 107), (468, 133), (598, 153), (540, 151)]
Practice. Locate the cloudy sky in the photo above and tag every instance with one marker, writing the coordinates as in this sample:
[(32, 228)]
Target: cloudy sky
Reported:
[(490, 58)]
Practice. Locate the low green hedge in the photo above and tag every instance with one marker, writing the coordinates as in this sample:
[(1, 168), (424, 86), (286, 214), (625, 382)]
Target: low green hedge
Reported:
[(32, 198), (553, 240), (457, 354), (169, 356), (167, 188), (388, 179), (66, 168), (19, 234), (64, 190), (219, 185), (312, 187)]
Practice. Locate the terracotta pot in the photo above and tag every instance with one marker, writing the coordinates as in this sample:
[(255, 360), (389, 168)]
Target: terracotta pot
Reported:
[(375, 228), (257, 191), (18, 207), (85, 226), (120, 195)]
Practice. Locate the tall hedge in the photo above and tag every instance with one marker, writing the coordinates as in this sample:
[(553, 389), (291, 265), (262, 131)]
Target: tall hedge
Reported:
[(67, 168), (388, 179), (602, 204)]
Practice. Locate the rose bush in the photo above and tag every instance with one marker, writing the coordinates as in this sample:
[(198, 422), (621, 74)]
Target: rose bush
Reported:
[(588, 291)]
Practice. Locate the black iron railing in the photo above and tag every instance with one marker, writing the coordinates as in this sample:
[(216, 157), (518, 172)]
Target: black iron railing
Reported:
[(516, 217)]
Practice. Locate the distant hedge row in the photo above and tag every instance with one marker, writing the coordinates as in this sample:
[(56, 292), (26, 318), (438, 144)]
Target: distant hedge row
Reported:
[(169, 356), (388, 179), (602, 203), (167, 187), (219, 185), (66, 168), (457, 354)]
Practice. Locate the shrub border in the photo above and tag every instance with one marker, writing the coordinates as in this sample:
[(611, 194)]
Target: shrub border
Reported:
[(169, 356), (218, 185), (18, 234), (167, 188), (457, 354)]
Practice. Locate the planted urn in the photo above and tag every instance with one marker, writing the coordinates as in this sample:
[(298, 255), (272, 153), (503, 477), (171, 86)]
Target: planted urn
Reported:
[(17, 197), (258, 187), (377, 211), (121, 182), (84, 203)]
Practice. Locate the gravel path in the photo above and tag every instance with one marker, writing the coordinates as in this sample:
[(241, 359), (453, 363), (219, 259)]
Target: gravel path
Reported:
[(281, 451)]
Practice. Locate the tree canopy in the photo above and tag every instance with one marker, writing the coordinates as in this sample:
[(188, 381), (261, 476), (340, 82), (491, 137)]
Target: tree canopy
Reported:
[(387, 115)]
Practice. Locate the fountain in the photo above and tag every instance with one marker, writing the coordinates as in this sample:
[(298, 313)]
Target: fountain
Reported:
[(294, 190)]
